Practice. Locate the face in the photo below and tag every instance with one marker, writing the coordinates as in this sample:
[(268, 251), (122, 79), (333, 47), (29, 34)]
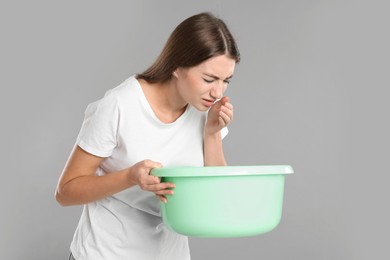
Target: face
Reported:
[(205, 83)]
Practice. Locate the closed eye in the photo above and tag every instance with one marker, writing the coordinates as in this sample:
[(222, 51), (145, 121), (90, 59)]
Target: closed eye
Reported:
[(208, 81), (226, 80)]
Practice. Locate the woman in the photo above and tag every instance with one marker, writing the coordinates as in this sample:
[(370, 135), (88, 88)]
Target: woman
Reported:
[(173, 114)]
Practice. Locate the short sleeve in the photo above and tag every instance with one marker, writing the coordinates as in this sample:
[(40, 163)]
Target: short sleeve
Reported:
[(224, 132), (98, 134)]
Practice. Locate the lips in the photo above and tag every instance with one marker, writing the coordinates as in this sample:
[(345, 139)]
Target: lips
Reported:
[(208, 102)]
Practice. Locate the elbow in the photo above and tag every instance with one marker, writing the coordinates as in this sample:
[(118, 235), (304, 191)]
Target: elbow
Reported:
[(61, 198)]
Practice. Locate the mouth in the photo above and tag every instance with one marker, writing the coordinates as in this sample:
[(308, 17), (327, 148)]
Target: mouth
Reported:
[(208, 102)]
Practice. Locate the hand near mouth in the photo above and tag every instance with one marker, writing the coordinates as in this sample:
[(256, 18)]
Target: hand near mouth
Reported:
[(219, 116)]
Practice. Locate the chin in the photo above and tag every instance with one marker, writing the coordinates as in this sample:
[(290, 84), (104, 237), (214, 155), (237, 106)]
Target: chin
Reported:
[(201, 108)]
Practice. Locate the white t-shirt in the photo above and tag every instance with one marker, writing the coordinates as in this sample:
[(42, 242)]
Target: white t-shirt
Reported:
[(123, 128)]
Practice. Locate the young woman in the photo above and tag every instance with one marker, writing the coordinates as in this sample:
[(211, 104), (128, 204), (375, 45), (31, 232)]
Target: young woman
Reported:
[(173, 114)]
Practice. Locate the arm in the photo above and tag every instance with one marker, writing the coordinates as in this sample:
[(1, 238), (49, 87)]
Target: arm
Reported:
[(213, 150), (220, 115), (78, 183)]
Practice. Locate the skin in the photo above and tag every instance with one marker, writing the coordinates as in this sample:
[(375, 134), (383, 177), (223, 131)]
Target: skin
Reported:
[(202, 87)]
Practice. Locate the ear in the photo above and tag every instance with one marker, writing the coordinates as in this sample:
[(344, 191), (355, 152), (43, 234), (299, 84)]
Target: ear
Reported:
[(175, 74)]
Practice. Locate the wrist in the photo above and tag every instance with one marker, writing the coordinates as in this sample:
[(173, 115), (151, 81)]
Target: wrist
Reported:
[(130, 176), (212, 134), (213, 151)]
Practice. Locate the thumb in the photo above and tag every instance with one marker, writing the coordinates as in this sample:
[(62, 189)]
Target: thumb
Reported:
[(152, 164), (224, 100), (221, 102)]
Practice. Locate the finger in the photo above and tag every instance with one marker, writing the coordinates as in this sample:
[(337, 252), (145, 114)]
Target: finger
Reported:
[(162, 198), (226, 119), (147, 181), (224, 100), (216, 106), (221, 102), (164, 192), (222, 122), (152, 164), (150, 180), (228, 105), (160, 187), (227, 111)]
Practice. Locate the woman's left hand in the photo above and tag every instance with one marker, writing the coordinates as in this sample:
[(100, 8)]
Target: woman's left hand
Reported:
[(219, 116)]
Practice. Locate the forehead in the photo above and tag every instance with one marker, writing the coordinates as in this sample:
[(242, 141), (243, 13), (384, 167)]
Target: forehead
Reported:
[(221, 66)]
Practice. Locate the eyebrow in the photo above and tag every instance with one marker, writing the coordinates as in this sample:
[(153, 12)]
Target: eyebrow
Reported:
[(215, 77)]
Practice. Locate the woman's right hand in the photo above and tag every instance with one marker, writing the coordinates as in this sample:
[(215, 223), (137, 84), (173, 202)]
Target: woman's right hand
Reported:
[(139, 173), (79, 183)]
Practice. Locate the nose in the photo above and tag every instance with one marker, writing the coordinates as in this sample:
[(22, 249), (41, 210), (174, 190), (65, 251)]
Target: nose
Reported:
[(217, 90)]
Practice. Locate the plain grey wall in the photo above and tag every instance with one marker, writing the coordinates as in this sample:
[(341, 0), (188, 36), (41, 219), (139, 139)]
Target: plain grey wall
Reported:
[(311, 91)]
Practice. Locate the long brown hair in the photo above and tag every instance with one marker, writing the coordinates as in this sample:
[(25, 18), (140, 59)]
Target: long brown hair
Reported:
[(193, 41)]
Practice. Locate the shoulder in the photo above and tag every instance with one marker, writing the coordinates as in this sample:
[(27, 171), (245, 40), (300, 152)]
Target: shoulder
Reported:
[(128, 85), (115, 97), (125, 91)]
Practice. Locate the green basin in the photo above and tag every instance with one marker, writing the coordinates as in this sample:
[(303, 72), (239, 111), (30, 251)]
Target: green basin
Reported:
[(224, 201)]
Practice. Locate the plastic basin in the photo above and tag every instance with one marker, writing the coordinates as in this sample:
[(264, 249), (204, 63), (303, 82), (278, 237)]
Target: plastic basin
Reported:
[(224, 201)]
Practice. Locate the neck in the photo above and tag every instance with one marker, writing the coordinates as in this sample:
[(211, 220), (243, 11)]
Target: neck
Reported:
[(168, 97), (165, 100)]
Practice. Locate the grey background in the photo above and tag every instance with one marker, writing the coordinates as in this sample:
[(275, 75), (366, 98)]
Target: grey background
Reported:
[(311, 91)]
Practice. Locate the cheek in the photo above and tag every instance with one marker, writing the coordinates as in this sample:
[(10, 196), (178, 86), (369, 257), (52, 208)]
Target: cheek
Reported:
[(189, 89), (196, 86), (224, 88)]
